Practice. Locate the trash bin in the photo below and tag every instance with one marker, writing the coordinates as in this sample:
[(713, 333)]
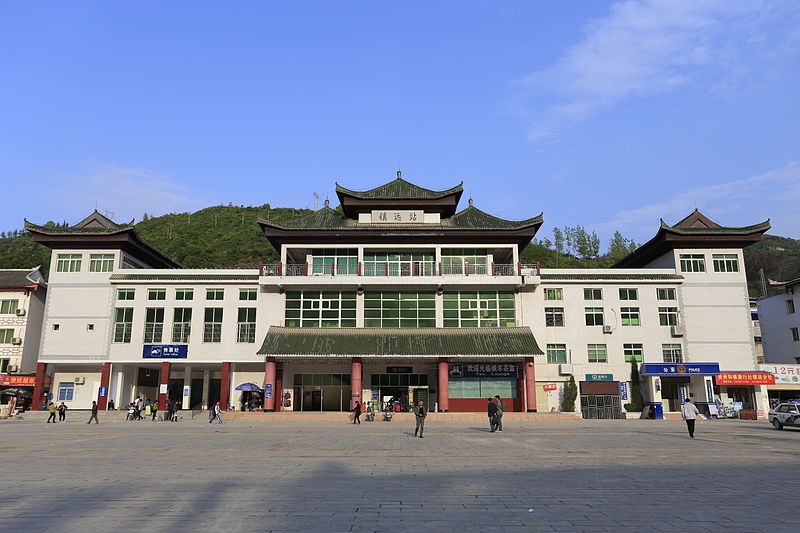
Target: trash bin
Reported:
[(657, 410)]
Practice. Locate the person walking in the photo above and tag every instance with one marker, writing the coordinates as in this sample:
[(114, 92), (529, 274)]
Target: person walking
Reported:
[(94, 414), (689, 413), (420, 412), (62, 413), (52, 409), (500, 408), (155, 411), (215, 412), (357, 413), (492, 412)]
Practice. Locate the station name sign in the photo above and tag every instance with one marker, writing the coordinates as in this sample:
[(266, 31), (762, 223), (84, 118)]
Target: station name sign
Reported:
[(165, 351), (393, 216), (680, 369), (483, 370)]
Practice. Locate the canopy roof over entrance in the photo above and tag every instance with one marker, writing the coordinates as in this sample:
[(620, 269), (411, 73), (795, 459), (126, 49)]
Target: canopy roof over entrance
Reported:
[(409, 342)]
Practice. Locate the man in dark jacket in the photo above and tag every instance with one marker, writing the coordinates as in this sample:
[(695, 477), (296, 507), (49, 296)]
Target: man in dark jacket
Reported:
[(492, 415), (420, 413), (94, 414)]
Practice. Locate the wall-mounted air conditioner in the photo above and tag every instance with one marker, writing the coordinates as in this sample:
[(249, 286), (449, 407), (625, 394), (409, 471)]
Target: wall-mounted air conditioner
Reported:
[(564, 369), (607, 329), (20, 312), (80, 380), (678, 331), (16, 340), (13, 368)]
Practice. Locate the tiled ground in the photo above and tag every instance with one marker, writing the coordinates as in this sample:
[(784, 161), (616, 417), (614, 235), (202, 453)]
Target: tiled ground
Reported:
[(287, 476)]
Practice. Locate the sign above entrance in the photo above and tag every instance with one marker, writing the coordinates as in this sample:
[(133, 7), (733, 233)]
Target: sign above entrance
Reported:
[(397, 217), (664, 369), (17, 381), (599, 377), (483, 370), (399, 369), (550, 386), (783, 373), (745, 378), (165, 351)]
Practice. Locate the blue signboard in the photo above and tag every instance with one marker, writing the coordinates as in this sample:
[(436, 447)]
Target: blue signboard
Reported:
[(623, 390), (103, 391), (267, 390), (680, 369), (599, 377), (165, 351), (682, 391)]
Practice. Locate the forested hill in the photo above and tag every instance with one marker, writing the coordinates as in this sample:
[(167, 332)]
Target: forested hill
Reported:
[(228, 237)]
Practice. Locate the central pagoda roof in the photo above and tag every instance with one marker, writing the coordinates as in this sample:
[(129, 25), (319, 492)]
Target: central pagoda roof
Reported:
[(399, 194)]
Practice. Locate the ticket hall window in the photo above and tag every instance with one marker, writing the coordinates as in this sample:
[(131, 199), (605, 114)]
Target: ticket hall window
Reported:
[(101, 262), (68, 263)]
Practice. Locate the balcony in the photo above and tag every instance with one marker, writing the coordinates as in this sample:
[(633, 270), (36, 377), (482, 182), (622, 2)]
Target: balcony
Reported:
[(399, 273)]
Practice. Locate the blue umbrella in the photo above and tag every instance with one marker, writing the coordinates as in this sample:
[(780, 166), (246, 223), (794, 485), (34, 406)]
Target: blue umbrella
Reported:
[(252, 387)]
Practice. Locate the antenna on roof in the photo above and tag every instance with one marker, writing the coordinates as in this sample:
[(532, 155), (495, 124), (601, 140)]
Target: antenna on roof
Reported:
[(109, 214), (316, 199)]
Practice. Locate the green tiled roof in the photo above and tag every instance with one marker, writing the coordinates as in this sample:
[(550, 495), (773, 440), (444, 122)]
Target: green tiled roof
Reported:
[(610, 277), (399, 189), (429, 342), (696, 223), (72, 230), (184, 277), (469, 218)]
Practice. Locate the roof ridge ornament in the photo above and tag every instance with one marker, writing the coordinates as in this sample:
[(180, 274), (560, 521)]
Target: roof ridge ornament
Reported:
[(399, 174)]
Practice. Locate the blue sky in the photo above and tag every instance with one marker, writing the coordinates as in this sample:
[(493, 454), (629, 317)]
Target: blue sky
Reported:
[(610, 115)]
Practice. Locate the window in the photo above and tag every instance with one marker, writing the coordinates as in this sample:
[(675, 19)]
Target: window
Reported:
[(215, 294), (56, 327), (314, 309), (6, 335), (597, 353), (8, 307), (789, 307), (181, 324), (126, 294), (454, 260), (68, 263), (395, 309), (101, 262), (156, 294), (693, 262), (89, 327), (4, 365), (594, 316), (484, 309), (665, 294), (481, 388), (630, 316), (248, 294), (553, 294), (246, 327), (633, 352), (212, 328), (394, 264), (628, 294), (154, 324), (668, 316), (184, 294), (672, 353), (592, 294), (795, 334), (725, 262), (123, 324), (553, 316), (556, 353), (66, 390), (346, 261)]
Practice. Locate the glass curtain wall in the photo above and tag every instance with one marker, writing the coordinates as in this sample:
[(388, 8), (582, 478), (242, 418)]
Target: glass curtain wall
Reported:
[(455, 259), (399, 264)]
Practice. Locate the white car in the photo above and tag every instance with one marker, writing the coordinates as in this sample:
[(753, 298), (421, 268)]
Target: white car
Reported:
[(785, 414)]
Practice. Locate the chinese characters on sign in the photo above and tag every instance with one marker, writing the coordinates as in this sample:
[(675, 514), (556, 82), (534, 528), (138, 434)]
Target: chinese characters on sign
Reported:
[(549, 386), (17, 381), (745, 378), (164, 351), (783, 373), (658, 369), (399, 369), (397, 217), (483, 370)]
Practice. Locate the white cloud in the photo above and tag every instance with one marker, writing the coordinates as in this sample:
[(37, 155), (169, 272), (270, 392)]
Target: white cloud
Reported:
[(730, 204), (127, 193), (647, 47)]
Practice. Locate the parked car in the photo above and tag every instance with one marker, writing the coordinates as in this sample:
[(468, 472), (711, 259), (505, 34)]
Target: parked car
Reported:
[(785, 414)]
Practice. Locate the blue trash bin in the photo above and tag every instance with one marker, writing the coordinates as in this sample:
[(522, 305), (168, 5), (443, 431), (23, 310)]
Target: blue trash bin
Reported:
[(657, 410)]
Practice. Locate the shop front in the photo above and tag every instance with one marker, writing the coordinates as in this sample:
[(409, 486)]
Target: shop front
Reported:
[(471, 384), (16, 392), (786, 387), (667, 386), (601, 397), (738, 390)]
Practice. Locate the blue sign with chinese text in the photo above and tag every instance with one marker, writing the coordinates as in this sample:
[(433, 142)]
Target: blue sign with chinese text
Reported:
[(680, 369), (599, 377), (103, 392), (165, 351), (268, 390), (623, 390)]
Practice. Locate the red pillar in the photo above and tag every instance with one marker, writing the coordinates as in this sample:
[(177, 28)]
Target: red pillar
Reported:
[(225, 386), (269, 385), (530, 385), (278, 388), (519, 405), (164, 380), (444, 394), (355, 381), (102, 393), (38, 386)]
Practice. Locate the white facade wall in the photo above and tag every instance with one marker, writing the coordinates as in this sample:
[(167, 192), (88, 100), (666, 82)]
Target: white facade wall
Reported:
[(776, 326)]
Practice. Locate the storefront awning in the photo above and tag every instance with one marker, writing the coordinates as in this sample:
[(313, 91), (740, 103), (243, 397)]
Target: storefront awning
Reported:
[(407, 342)]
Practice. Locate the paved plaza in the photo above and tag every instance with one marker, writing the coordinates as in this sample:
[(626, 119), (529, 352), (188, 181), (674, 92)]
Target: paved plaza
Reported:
[(324, 476)]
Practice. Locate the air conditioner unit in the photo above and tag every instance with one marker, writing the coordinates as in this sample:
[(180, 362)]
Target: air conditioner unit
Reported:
[(678, 331), (20, 312), (80, 380), (564, 369), (607, 329), (13, 368), (16, 340)]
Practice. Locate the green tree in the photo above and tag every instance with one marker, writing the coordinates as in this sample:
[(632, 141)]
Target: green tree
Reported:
[(569, 396), (637, 402), (619, 247)]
